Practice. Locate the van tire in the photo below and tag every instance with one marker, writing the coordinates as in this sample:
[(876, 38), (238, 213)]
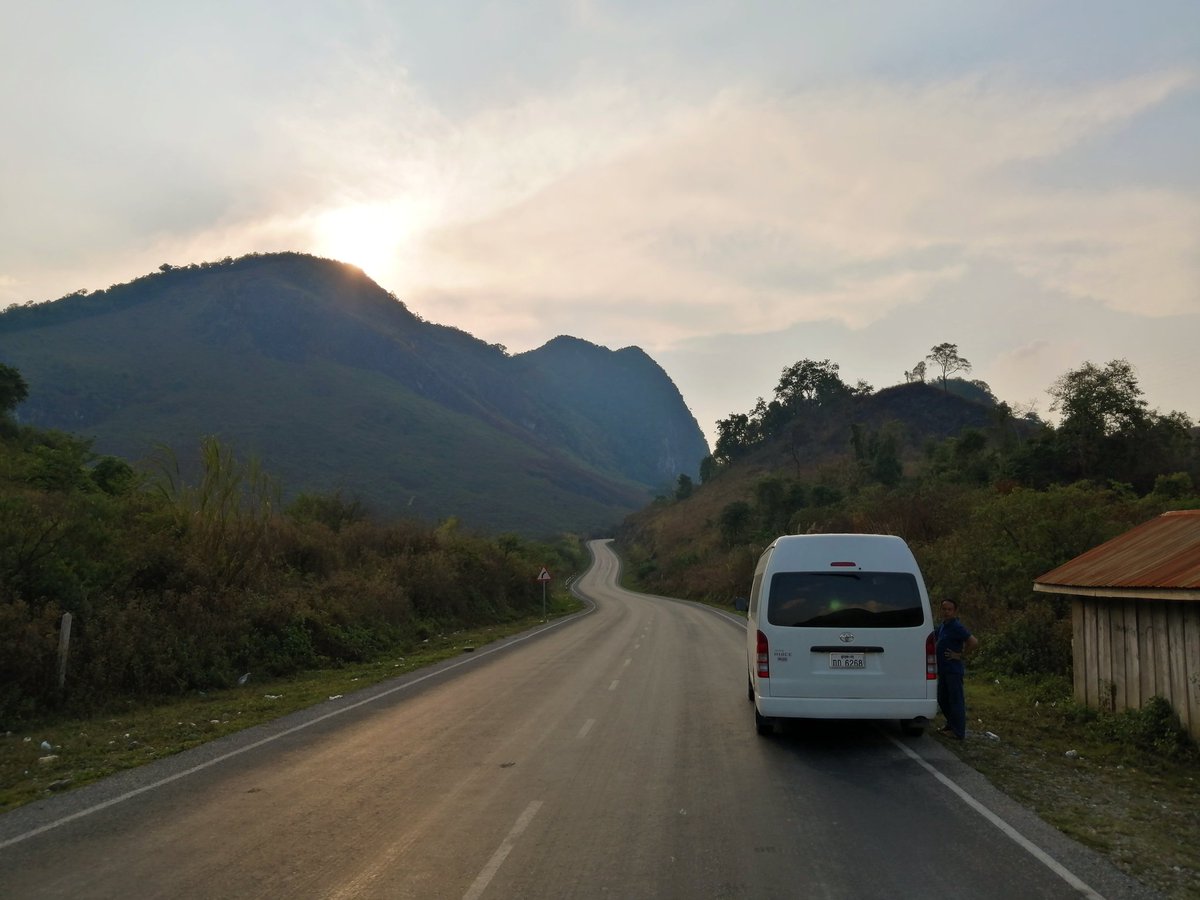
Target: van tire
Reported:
[(762, 724), (913, 727)]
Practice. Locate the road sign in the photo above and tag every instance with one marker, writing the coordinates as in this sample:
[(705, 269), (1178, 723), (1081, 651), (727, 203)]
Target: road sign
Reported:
[(544, 575)]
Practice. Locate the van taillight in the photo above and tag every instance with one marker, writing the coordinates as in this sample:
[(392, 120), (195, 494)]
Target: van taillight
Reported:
[(764, 666), (931, 657)]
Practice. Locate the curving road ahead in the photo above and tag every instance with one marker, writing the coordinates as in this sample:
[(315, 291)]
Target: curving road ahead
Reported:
[(612, 754)]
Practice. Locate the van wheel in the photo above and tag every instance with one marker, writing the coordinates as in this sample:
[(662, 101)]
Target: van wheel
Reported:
[(913, 727), (762, 724)]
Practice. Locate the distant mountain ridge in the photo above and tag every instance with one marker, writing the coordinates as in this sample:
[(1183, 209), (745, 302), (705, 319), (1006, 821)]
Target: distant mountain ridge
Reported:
[(334, 384)]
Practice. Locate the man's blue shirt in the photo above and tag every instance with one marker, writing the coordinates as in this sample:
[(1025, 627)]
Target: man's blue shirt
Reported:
[(951, 635)]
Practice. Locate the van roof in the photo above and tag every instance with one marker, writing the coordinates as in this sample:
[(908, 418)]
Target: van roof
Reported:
[(885, 552)]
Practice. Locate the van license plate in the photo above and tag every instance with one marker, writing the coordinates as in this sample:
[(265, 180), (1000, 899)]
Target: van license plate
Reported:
[(847, 660)]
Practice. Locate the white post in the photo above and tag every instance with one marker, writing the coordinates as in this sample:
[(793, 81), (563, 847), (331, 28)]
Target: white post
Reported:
[(64, 643)]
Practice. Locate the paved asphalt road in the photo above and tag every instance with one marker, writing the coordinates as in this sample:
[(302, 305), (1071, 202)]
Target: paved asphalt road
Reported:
[(609, 755)]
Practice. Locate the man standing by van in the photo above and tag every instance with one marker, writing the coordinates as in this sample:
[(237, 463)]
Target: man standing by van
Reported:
[(953, 642)]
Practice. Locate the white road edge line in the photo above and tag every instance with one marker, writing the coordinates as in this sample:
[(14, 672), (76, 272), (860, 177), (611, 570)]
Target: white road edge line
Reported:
[(493, 865), (1031, 848), (240, 750)]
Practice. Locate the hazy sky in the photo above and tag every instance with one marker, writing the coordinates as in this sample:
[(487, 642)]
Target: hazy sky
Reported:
[(732, 186)]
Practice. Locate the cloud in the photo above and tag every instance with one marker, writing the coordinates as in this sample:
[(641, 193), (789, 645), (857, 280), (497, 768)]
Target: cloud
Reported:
[(758, 211), (1134, 250)]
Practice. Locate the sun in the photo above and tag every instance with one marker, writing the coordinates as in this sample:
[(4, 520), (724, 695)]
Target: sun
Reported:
[(370, 236)]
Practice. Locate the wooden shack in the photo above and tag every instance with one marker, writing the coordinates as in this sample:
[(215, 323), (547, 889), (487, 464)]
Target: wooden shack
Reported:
[(1136, 617)]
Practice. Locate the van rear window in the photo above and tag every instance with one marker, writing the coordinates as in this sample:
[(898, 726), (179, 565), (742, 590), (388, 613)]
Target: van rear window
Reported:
[(845, 600)]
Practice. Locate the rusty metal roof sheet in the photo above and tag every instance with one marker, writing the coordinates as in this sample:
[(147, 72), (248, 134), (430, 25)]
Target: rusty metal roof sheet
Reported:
[(1161, 553)]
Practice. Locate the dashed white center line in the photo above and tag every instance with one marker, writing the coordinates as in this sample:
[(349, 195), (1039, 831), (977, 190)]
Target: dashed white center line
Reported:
[(613, 686), (587, 726), (493, 865)]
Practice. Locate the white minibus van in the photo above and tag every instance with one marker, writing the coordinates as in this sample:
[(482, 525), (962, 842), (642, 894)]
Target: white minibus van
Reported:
[(840, 627)]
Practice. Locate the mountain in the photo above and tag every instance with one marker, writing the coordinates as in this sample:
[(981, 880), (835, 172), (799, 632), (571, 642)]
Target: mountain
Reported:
[(624, 395), (334, 384)]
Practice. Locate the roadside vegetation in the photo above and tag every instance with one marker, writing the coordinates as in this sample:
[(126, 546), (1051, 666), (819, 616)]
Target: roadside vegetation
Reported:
[(178, 585)]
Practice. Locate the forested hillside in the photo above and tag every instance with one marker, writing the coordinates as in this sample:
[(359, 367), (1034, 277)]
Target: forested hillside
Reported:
[(988, 500), (335, 385)]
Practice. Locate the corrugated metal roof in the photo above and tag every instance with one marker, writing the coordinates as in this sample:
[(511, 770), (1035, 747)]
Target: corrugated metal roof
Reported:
[(1161, 553)]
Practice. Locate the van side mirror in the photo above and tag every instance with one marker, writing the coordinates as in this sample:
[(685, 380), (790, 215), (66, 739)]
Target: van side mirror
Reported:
[(741, 604)]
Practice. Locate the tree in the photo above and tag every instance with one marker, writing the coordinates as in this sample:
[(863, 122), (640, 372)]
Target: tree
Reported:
[(768, 419), (1097, 405), (878, 453), (683, 487), (734, 521), (771, 504), (13, 389), (884, 451), (917, 373), (1174, 486), (113, 475), (985, 389), (733, 436), (1163, 445), (946, 358), (1107, 431), (1099, 402), (808, 382)]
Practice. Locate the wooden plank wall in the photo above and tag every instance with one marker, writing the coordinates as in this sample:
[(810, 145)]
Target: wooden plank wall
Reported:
[(1081, 651), (1127, 651)]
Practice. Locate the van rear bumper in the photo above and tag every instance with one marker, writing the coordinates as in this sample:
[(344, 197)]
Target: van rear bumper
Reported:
[(841, 708)]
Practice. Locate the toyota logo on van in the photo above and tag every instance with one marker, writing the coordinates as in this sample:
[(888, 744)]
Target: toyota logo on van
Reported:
[(846, 637)]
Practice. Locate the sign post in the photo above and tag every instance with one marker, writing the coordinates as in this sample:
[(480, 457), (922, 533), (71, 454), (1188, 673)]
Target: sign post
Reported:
[(544, 578), (64, 644)]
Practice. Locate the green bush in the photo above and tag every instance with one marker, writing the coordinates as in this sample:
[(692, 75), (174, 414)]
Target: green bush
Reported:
[(1034, 642), (1155, 728)]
